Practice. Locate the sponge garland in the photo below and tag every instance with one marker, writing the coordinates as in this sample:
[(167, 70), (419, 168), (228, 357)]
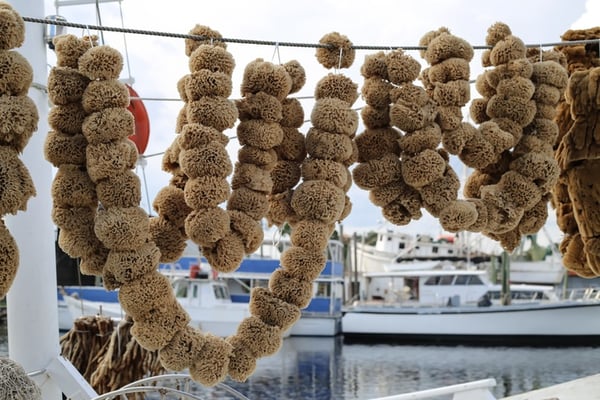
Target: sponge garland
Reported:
[(18, 121), (73, 192), (378, 148), (291, 152), (575, 196)]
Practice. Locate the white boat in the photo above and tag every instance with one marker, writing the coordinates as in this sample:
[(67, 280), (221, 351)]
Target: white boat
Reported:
[(394, 249), (456, 306), (207, 301), (323, 315)]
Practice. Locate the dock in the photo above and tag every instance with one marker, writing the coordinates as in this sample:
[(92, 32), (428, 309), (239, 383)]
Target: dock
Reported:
[(578, 389)]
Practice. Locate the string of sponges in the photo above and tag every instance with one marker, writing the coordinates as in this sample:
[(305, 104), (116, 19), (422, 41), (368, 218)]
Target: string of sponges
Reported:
[(576, 194), (18, 121)]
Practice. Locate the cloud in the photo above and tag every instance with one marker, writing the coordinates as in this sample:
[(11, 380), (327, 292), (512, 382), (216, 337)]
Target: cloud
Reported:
[(157, 63)]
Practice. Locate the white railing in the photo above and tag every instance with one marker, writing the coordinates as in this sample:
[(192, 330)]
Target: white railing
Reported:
[(476, 390)]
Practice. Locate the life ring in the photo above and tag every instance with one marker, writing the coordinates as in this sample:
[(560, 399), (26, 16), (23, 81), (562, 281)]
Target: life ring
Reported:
[(142, 122)]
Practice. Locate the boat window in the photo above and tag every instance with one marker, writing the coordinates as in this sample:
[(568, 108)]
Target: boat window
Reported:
[(220, 292), (446, 280), (475, 280), (181, 290), (260, 283), (462, 280), (434, 249), (401, 245), (195, 291), (323, 289), (450, 251), (432, 280)]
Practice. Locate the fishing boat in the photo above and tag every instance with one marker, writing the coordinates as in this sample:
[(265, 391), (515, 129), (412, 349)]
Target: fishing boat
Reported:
[(322, 317), (394, 250), (207, 301), (445, 305)]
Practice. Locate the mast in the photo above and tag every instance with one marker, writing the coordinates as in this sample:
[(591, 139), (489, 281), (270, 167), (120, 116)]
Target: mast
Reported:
[(32, 303)]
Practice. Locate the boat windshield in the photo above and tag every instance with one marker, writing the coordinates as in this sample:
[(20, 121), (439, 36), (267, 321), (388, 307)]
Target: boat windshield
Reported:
[(453, 280), (221, 292)]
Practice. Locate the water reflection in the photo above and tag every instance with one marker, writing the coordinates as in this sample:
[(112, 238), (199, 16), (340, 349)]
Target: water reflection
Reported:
[(325, 368)]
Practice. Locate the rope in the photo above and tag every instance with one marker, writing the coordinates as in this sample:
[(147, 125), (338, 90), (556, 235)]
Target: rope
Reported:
[(268, 42)]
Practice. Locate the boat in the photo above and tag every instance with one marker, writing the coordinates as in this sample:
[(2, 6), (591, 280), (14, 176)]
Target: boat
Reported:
[(206, 300), (445, 305), (322, 317), (393, 250)]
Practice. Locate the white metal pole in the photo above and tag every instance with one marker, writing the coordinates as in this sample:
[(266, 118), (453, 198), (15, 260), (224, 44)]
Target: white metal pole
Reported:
[(33, 339)]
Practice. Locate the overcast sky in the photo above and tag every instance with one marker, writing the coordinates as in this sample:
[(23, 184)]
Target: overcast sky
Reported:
[(157, 63)]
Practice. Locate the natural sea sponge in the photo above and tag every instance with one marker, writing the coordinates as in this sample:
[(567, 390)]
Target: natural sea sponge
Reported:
[(212, 160), (259, 338), (377, 172), (375, 143), (106, 159), (259, 106), (289, 289), (262, 76), (148, 292), (271, 310), (170, 204), (337, 52), (62, 149), (99, 95), (320, 200), (155, 329), (417, 141), (285, 175), (125, 266), (258, 133), (206, 37), (66, 85), (401, 67), (69, 48), (423, 168), (109, 124), (248, 229), (253, 203), (311, 234), (212, 58), (303, 263), (218, 112), (206, 192), (101, 63), (333, 115), (207, 226), (210, 366), (292, 147), (128, 195), (198, 135), (241, 362), (169, 238), (122, 228), (19, 117), (17, 74), (9, 259), (337, 86), (67, 118), (178, 354), (458, 215), (326, 145), (207, 83), (72, 187), (226, 254), (319, 169)]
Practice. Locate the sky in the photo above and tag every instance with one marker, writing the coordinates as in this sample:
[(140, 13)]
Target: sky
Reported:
[(156, 63)]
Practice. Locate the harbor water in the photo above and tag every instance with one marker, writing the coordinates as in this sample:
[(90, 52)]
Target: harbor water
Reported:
[(326, 368)]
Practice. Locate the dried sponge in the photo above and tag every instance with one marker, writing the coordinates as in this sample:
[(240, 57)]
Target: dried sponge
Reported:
[(336, 52), (101, 63), (320, 200), (122, 228)]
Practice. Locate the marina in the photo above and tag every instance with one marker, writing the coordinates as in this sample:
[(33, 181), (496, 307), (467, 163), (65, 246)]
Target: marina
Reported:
[(313, 313)]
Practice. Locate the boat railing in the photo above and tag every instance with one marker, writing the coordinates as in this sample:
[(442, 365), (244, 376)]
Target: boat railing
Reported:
[(479, 390), (590, 293)]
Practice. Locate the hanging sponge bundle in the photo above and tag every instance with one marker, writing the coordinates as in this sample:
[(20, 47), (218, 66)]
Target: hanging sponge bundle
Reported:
[(291, 152), (18, 121)]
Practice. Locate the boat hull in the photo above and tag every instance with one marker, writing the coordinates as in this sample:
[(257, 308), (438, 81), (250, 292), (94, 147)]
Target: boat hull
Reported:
[(317, 326), (568, 323)]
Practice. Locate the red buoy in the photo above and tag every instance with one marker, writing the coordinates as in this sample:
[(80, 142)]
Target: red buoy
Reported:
[(142, 122)]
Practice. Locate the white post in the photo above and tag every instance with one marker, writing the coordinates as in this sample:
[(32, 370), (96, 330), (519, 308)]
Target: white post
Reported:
[(33, 339)]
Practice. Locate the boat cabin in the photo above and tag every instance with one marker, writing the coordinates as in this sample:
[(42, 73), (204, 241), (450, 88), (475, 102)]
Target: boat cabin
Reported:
[(201, 292)]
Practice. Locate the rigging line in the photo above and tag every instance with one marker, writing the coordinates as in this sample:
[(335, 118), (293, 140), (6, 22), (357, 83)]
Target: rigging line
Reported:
[(270, 42), (99, 19), (125, 42)]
